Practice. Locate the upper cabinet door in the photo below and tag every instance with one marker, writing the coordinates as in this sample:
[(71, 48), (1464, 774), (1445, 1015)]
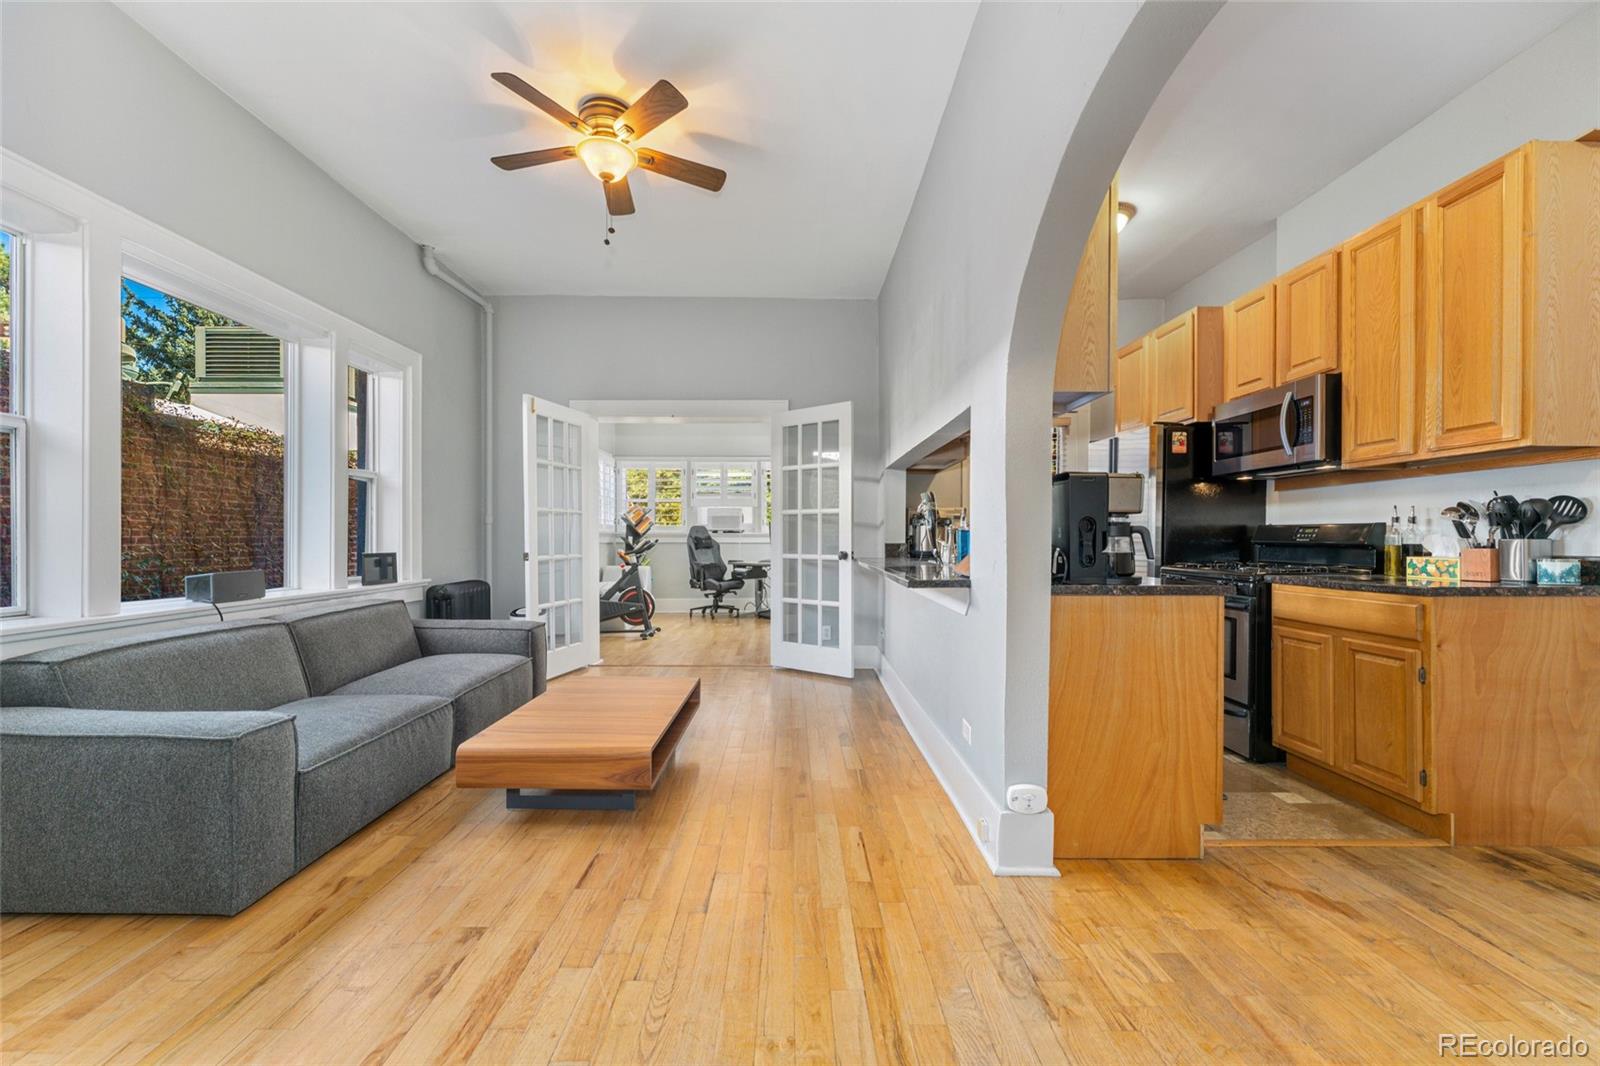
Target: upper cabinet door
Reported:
[(1131, 382), (1378, 305), (1472, 248), (1308, 319), (1089, 325), (1172, 368), (1249, 337)]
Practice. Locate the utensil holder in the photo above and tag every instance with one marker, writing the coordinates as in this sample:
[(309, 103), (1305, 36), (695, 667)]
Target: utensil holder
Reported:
[(1517, 557), (1480, 564)]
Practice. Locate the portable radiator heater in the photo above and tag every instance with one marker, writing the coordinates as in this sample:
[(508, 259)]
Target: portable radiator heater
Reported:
[(458, 599)]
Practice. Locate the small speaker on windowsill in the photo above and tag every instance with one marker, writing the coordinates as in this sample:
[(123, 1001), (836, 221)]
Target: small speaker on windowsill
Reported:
[(379, 568), (228, 586)]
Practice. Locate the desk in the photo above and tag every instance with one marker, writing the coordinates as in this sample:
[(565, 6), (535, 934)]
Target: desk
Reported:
[(755, 570)]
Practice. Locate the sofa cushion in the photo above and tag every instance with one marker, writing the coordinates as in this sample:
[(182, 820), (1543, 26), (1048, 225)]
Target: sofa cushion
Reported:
[(340, 644), (359, 755), (144, 812), (482, 688), (233, 666)]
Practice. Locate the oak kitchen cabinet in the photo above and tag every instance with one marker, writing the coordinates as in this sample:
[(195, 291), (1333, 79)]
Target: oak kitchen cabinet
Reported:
[(1511, 278), (1308, 319), (1184, 361), (1249, 340), (1285, 330), (1130, 377), (1468, 717), (1382, 377), (1089, 324)]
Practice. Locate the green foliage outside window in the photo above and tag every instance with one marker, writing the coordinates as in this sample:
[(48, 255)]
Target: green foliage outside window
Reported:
[(162, 339)]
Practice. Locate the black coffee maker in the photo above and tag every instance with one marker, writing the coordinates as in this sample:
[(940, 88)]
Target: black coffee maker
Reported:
[(1088, 511)]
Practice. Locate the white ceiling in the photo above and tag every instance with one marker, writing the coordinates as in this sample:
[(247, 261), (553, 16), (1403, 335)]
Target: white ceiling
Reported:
[(822, 114), (1275, 100)]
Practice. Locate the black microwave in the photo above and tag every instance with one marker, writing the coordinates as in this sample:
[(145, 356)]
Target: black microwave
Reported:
[(1291, 428)]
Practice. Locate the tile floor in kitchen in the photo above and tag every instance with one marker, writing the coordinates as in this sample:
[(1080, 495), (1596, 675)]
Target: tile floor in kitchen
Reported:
[(1263, 803)]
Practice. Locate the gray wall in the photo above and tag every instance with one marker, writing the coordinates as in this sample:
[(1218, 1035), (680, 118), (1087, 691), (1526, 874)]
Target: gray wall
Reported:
[(970, 314), (807, 352), (91, 96), (1251, 266)]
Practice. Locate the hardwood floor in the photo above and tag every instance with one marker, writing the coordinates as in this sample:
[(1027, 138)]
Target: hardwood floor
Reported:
[(799, 889), (691, 640)]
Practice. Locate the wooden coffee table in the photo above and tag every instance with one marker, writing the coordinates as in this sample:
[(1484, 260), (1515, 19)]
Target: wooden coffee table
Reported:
[(588, 743)]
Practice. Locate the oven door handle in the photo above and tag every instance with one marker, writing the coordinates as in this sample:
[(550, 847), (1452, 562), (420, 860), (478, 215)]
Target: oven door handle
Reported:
[(1283, 422)]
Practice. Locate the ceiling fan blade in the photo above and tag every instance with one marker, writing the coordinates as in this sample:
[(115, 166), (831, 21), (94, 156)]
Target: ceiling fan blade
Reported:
[(518, 160), (619, 198), (659, 103), (670, 166), (541, 101)]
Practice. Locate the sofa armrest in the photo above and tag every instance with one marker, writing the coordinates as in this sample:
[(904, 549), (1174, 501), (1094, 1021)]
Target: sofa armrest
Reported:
[(508, 636), (144, 812)]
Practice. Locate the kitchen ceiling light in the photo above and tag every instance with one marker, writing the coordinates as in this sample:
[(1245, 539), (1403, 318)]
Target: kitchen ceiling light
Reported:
[(1125, 213), (606, 157)]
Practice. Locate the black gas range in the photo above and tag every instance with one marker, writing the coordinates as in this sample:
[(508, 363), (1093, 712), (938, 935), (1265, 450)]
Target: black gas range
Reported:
[(1275, 551)]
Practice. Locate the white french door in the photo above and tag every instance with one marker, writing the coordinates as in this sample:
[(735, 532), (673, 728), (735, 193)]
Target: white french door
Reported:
[(811, 488), (560, 507)]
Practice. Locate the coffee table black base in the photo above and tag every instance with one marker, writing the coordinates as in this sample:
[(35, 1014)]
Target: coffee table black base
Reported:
[(544, 799)]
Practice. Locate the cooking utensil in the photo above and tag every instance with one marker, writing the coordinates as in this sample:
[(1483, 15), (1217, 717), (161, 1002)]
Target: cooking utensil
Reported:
[(1503, 515), (1564, 511), (1472, 514), (1531, 514), (1455, 514)]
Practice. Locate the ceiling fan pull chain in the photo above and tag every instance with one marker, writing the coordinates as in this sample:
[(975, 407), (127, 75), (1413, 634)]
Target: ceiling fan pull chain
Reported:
[(610, 229)]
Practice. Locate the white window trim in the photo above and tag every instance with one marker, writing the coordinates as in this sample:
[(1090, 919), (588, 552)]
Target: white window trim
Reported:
[(16, 420), (18, 425), (83, 450)]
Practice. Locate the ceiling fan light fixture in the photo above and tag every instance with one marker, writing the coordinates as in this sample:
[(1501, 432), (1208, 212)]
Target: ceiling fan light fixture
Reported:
[(606, 157), (1125, 213)]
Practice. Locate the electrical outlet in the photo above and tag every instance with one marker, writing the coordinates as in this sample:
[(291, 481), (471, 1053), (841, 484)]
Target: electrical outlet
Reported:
[(983, 830), (827, 634), (966, 731)]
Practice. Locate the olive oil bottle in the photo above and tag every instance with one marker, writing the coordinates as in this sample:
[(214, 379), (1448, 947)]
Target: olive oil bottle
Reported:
[(1394, 552)]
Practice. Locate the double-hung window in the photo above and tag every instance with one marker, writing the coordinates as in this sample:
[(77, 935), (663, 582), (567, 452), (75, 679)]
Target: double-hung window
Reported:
[(725, 494), (205, 422), (360, 470), (13, 427), (657, 486)]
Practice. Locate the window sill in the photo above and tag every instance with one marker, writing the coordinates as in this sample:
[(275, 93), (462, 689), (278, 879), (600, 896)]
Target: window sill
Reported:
[(165, 612)]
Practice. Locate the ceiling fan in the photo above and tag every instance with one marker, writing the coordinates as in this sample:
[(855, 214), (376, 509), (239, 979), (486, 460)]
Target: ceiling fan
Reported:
[(610, 129)]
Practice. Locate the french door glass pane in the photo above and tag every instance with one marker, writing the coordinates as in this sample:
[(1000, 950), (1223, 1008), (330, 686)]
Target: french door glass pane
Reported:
[(830, 626), (829, 593)]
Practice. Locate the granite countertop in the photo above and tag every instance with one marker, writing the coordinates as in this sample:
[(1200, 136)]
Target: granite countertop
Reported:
[(1145, 586), (1399, 586), (916, 573)]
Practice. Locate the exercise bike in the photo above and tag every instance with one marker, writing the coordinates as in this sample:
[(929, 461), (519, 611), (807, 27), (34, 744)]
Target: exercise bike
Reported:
[(626, 598)]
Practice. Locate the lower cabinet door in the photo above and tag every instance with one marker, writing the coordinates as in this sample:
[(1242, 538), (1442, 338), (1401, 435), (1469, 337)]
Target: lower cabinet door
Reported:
[(1378, 710), (1302, 691)]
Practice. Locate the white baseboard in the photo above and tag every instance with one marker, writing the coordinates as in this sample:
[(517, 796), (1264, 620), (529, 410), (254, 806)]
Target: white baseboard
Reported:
[(1019, 845)]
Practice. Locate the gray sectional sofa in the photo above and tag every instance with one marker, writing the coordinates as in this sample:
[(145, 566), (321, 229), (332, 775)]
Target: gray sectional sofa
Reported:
[(191, 771)]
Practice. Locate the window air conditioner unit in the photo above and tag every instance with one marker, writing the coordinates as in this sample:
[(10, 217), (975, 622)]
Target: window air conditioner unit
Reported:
[(236, 359)]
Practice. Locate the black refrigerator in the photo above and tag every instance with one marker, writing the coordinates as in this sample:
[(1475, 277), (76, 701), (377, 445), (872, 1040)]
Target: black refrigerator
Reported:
[(1198, 519)]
